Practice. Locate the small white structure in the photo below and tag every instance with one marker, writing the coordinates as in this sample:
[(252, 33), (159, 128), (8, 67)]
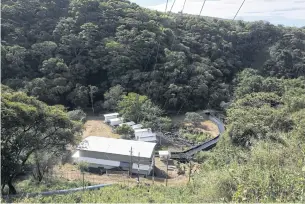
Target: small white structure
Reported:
[(116, 121), (110, 116), (110, 153), (137, 126), (131, 123), (164, 155), (145, 135)]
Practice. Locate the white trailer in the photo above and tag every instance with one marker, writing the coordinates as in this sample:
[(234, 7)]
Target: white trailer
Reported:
[(110, 116), (131, 123), (137, 126), (116, 121), (145, 135), (164, 155)]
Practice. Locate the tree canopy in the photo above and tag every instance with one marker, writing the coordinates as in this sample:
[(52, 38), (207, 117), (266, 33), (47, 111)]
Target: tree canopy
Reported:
[(30, 126), (56, 50)]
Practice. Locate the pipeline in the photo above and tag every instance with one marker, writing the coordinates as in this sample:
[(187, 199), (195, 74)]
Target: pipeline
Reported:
[(56, 192), (207, 145)]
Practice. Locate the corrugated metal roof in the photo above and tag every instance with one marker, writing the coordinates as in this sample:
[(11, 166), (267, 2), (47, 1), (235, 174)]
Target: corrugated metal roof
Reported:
[(117, 146)]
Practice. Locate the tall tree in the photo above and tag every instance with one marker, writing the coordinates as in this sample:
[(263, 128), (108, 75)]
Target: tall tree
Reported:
[(30, 126)]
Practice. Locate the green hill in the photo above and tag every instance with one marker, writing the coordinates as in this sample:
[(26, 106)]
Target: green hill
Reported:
[(70, 52)]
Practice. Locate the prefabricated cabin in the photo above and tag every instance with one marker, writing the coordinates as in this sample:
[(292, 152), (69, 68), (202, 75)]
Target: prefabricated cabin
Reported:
[(110, 116), (145, 135), (137, 126), (131, 123), (115, 121), (164, 155), (110, 153)]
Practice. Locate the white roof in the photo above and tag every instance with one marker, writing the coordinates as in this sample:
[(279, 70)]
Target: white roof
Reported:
[(163, 152), (117, 146), (137, 126), (131, 123), (143, 130), (111, 114)]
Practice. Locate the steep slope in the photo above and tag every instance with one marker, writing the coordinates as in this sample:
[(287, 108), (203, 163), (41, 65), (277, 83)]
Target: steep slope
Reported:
[(55, 49)]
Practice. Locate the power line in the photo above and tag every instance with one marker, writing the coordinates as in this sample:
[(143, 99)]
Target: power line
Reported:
[(172, 6), (239, 9), (183, 6), (166, 5), (202, 7)]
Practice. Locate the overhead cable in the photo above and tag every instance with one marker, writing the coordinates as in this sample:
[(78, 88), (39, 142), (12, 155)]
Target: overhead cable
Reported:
[(166, 6), (202, 7), (239, 9), (172, 6), (183, 6)]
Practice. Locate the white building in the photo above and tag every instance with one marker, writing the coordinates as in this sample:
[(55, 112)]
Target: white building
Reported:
[(115, 121), (110, 116), (109, 153), (137, 126), (145, 135), (131, 123), (164, 155)]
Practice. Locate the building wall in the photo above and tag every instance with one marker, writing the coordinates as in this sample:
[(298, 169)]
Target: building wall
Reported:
[(115, 157)]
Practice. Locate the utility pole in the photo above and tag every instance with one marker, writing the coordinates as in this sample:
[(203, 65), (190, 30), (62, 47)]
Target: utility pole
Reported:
[(166, 170), (130, 165), (91, 98), (153, 166), (139, 168), (190, 171)]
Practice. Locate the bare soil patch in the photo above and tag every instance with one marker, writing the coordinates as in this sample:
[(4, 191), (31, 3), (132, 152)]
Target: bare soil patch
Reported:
[(95, 126)]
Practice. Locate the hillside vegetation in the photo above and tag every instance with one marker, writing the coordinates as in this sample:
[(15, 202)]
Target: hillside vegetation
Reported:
[(259, 159), (59, 55), (61, 51)]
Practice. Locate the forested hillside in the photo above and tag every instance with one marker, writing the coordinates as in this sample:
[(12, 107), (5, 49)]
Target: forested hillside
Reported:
[(261, 158), (114, 55), (63, 50)]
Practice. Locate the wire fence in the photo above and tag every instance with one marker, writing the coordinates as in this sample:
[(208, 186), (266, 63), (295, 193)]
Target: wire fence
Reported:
[(108, 177)]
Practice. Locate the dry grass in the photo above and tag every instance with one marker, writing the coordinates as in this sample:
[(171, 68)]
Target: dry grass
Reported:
[(70, 172), (210, 127), (95, 126)]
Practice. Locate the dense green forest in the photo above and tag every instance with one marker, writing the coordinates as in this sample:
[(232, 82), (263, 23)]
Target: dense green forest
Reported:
[(60, 55), (61, 50)]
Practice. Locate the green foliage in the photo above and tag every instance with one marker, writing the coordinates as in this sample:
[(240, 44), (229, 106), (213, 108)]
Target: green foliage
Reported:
[(113, 97), (193, 118), (125, 130), (195, 137), (56, 49), (77, 115), (29, 126), (131, 107), (82, 166)]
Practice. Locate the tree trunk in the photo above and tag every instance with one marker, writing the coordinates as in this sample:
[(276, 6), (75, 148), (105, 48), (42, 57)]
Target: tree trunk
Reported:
[(12, 189)]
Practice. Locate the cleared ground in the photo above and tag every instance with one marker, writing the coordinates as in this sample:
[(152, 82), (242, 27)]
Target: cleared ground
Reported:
[(95, 126)]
